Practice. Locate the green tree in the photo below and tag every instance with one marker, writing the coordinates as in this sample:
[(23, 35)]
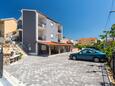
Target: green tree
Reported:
[(112, 32), (102, 37)]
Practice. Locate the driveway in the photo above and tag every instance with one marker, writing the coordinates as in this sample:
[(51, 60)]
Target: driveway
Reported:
[(58, 71)]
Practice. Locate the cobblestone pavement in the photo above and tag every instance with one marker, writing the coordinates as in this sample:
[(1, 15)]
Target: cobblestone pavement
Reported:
[(58, 71)]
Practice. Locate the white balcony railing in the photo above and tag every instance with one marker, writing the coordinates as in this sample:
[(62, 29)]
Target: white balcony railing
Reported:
[(42, 25)]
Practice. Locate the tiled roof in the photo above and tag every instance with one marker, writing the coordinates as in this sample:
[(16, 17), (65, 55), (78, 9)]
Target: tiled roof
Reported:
[(55, 43), (87, 39)]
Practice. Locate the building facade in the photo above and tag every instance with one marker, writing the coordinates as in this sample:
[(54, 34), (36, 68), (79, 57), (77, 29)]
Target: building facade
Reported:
[(7, 27), (41, 35)]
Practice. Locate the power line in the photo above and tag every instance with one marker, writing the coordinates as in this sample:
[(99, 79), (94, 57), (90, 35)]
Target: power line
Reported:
[(112, 5), (109, 14), (108, 18)]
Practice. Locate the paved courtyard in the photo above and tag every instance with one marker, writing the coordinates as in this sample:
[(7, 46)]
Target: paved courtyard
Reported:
[(58, 71)]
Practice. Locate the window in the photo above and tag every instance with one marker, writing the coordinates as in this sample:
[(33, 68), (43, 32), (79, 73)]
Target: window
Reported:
[(84, 51), (87, 51), (51, 24), (52, 35), (43, 47)]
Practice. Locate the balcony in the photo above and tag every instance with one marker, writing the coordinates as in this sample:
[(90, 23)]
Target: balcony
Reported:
[(59, 30), (42, 22), (59, 35), (41, 38), (42, 26), (41, 35)]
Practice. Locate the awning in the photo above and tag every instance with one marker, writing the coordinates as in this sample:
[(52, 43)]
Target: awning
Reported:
[(54, 43)]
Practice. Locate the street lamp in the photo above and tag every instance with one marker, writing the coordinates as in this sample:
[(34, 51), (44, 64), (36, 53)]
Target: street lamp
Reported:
[(1, 56), (112, 11)]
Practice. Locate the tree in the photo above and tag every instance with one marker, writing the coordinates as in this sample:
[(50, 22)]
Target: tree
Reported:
[(112, 32), (102, 37), (106, 33)]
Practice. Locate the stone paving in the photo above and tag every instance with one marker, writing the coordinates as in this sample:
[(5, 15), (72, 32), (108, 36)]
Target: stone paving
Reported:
[(58, 71)]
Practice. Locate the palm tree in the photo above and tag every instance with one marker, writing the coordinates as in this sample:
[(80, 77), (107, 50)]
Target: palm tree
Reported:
[(105, 35), (102, 37)]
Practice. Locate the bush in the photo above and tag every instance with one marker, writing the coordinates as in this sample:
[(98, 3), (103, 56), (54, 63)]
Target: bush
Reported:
[(20, 56)]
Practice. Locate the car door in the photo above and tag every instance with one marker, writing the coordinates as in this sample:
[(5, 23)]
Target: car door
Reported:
[(89, 55), (85, 55)]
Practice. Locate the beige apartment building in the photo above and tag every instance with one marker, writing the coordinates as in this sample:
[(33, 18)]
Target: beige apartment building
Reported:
[(7, 27)]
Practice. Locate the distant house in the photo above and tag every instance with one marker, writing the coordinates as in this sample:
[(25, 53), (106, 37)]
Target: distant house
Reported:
[(41, 35), (74, 42), (66, 40), (69, 41), (7, 27), (87, 41)]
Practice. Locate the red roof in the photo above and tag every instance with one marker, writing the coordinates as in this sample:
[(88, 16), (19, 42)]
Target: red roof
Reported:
[(55, 43), (88, 39)]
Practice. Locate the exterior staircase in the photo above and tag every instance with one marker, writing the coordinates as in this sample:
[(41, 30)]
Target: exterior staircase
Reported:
[(10, 51)]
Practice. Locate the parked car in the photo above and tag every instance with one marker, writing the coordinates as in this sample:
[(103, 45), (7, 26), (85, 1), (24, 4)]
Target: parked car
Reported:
[(89, 54)]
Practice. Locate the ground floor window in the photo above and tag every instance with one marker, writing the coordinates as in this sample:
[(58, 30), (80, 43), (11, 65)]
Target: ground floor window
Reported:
[(43, 47)]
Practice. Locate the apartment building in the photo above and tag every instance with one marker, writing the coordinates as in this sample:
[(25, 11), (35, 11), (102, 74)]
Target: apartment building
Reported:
[(7, 27), (41, 34), (87, 41)]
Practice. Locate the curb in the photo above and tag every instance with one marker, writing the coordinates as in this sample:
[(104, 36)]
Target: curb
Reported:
[(12, 80), (60, 54), (110, 76), (4, 82), (63, 53)]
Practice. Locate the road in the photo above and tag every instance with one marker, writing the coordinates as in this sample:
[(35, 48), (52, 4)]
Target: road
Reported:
[(58, 71)]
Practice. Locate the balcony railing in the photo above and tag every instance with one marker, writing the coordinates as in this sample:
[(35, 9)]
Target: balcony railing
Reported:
[(42, 26)]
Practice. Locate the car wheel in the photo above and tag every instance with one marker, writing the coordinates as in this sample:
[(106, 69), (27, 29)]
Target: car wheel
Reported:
[(74, 58), (96, 59)]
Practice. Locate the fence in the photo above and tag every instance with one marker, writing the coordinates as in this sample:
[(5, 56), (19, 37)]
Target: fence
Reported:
[(1, 62)]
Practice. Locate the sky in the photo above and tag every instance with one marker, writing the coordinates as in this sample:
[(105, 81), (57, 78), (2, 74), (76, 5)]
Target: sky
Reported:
[(80, 18)]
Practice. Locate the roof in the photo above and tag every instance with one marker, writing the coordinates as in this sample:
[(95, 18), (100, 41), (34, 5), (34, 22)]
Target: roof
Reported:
[(5, 19), (88, 39), (54, 43), (41, 14)]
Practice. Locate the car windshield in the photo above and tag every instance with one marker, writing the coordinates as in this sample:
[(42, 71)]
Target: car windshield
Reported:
[(98, 51), (86, 51)]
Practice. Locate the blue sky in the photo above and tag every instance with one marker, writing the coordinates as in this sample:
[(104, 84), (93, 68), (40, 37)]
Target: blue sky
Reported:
[(80, 18)]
